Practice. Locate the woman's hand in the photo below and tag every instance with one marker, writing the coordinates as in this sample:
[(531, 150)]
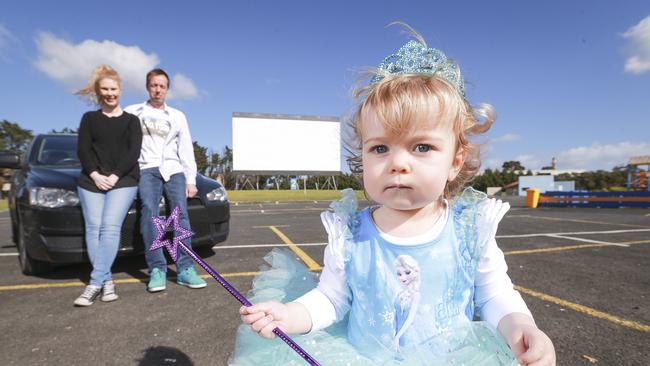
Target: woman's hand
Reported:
[(101, 181), (113, 179)]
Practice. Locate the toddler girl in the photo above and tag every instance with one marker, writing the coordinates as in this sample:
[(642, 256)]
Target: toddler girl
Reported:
[(403, 279)]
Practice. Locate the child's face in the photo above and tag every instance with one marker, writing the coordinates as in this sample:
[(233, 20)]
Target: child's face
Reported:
[(410, 171)]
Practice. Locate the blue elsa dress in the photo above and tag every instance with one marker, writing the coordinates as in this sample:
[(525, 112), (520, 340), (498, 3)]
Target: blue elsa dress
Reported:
[(443, 331)]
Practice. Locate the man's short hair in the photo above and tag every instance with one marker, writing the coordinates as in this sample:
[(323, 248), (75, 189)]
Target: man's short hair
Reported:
[(156, 72)]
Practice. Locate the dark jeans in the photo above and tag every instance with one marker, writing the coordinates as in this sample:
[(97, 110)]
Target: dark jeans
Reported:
[(150, 189)]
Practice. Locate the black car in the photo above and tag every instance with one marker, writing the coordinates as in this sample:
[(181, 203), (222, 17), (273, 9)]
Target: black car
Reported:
[(47, 223)]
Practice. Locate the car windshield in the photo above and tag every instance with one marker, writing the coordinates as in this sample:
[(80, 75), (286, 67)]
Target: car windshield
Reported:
[(58, 150)]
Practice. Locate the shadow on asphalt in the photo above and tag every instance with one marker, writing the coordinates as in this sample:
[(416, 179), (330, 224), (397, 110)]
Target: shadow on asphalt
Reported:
[(160, 355)]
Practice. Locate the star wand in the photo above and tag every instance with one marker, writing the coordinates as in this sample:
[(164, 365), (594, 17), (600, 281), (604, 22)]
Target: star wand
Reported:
[(163, 225)]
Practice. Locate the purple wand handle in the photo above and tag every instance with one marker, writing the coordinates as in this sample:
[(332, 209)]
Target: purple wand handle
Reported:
[(233, 291)]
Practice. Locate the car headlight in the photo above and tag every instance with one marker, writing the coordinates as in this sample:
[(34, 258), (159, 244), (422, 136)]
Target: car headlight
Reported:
[(217, 194), (52, 197)]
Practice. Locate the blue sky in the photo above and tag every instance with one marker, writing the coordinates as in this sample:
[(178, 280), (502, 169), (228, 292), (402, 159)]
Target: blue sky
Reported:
[(569, 79)]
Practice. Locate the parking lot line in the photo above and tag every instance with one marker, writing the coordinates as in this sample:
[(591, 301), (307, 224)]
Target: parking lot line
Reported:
[(586, 240), (573, 247), (117, 281), (574, 233), (554, 249), (311, 264), (315, 268), (585, 309), (248, 246), (575, 220), (542, 296)]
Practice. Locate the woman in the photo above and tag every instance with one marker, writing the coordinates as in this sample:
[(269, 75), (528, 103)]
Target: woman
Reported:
[(109, 147)]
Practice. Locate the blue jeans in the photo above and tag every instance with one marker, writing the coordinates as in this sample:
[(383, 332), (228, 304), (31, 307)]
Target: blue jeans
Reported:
[(104, 214), (151, 187)]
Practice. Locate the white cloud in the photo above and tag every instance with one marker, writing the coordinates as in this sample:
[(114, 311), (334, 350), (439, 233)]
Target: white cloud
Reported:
[(182, 87), (507, 138), (601, 156), (72, 63), (638, 37), (6, 38)]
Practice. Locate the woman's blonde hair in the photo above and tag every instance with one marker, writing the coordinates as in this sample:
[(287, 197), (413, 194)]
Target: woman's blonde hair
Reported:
[(405, 102), (91, 90)]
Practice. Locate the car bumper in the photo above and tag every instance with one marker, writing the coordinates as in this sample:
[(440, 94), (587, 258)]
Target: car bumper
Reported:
[(57, 235)]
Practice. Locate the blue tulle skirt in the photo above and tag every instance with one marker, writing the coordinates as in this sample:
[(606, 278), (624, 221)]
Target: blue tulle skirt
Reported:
[(285, 278)]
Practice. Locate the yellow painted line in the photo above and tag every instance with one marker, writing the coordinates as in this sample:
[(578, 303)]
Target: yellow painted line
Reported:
[(117, 281), (311, 264), (555, 249), (41, 285), (586, 310), (570, 247), (636, 242), (575, 220)]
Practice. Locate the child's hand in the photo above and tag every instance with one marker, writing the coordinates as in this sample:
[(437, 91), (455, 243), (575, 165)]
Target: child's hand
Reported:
[(264, 317), (531, 346)]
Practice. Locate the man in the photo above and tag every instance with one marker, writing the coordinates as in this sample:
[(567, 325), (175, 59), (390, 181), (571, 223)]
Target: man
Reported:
[(166, 165)]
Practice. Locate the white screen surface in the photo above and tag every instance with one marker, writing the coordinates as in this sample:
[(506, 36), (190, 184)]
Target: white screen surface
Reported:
[(268, 144)]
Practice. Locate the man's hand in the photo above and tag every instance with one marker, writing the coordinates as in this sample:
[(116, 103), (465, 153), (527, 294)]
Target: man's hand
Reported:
[(190, 190)]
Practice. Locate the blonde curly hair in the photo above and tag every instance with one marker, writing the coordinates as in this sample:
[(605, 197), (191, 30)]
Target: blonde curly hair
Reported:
[(406, 102)]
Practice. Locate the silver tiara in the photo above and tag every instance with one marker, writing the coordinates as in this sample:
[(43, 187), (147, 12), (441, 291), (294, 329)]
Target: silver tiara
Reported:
[(414, 58)]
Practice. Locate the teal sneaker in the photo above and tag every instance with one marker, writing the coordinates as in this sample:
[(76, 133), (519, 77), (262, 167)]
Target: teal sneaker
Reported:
[(190, 278), (157, 279)]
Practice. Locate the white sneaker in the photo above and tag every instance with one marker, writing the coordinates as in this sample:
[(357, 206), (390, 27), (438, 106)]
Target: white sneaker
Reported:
[(108, 291), (89, 295)]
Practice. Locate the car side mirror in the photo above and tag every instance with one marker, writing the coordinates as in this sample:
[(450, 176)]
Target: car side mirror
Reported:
[(9, 160)]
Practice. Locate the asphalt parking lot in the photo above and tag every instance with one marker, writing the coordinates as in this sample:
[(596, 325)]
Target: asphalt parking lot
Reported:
[(583, 272)]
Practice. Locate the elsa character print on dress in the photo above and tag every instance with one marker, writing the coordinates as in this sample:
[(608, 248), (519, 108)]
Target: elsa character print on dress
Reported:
[(408, 273), (413, 148)]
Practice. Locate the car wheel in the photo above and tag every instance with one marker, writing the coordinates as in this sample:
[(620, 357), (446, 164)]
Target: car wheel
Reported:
[(28, 265)]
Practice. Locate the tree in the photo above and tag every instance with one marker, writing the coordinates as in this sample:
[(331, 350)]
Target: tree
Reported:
[(214, 164), (511, 166), (13, 137), (226, 168), (348, 180), (200, 155)]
